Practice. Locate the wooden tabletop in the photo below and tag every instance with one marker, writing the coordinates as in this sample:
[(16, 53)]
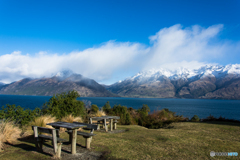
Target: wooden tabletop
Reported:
[(66, 125), (105, 117)]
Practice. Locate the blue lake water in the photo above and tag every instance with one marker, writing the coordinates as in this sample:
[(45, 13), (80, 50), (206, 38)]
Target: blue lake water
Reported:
[(187, 107)]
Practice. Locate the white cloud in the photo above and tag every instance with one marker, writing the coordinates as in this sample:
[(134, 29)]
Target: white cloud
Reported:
[(175, 47), (171, 48), (97, 63)]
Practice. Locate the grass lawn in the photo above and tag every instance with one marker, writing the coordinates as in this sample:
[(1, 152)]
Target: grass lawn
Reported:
[(185, 140)]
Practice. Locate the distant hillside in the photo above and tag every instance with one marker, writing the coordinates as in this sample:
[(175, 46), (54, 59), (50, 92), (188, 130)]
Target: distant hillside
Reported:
[(62, 82), (209, 82), (1, 85)]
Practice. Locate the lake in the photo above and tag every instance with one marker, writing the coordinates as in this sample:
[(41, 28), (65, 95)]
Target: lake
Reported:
[(187, 107)]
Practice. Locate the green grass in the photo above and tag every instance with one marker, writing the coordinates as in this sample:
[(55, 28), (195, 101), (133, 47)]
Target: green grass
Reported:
[(186, 140)]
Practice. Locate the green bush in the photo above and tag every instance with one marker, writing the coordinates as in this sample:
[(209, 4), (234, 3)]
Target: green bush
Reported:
[(94, 108), (61, 105), (121, 111), (106, 106), (128, 119), (195, 118), (144, 110), (18, 114)]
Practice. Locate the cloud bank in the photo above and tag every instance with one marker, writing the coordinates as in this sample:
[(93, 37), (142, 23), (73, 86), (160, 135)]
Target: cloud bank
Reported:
[(170, 48)]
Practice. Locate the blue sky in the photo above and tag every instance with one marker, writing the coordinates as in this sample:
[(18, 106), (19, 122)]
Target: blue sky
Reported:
[(111, 40)]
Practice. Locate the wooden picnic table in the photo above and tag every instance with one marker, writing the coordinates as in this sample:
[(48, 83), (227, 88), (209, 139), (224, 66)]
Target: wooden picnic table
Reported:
[(69, 126), (104, 119)]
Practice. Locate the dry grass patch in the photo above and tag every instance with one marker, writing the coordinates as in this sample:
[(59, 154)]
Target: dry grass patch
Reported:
[(70, 119), (97, 114), (41, 122), (9, 133)]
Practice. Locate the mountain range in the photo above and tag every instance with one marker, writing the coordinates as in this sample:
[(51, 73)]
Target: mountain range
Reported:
[(61, 82), (207, 82)]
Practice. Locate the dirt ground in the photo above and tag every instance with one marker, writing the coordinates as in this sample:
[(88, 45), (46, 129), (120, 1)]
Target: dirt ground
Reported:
[(82, 153)]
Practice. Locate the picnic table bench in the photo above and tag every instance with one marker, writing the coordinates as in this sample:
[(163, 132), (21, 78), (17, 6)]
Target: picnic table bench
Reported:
[(73, 127), (103, 120), (87, 136), (40, 138)]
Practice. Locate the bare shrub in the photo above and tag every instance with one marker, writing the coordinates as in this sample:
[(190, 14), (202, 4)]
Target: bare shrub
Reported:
[(41, 122), (98, 114), (70, 119), (9, 132)]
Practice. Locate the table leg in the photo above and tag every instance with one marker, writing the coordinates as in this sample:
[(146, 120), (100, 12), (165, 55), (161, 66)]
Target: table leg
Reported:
[(90, 120), (111, 124), (115, 125), (74, 141), (58, 133), (70, 137), (105, 125)]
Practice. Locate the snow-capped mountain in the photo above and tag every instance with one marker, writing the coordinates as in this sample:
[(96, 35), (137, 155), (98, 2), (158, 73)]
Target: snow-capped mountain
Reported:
[(183, 73), (63, 74), (204, 82)]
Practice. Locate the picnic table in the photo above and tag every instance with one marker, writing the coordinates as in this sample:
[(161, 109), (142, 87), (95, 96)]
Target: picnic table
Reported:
[(69, 126), (104, 119)]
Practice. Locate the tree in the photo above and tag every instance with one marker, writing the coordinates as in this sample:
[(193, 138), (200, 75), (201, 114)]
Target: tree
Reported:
[(195, 118), (106, 108), (121, 111), (128, 119), (106, 105), (94, 108), (63, 104), (144, 110)]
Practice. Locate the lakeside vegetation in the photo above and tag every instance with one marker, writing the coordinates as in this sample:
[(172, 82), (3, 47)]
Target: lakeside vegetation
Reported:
[(160, 133)]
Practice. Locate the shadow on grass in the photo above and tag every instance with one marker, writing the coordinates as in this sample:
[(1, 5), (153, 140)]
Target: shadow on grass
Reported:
[(162, 138), (30, 139), (106, 154), (27, 147)]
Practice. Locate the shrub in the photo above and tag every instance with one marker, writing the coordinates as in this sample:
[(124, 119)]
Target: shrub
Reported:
[(9, 132), (18, 114), (144, 110), (195, 118), (94, 108), (211, 118), (61, 105), (121, 111), (158, 119), (128, 119), (106, 108)]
